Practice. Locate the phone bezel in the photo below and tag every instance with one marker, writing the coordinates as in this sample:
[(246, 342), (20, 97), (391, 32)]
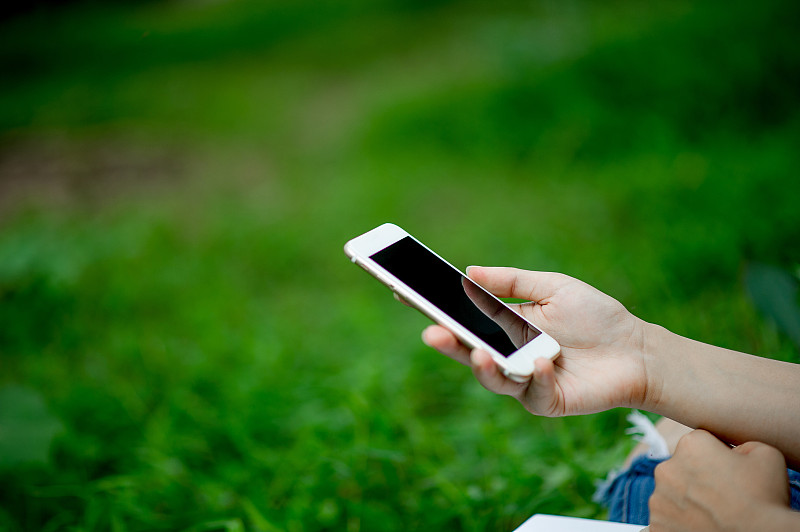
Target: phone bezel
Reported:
[(517, 366)]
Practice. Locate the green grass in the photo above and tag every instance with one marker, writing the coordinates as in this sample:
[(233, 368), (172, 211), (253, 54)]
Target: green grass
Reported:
[(183, 343)]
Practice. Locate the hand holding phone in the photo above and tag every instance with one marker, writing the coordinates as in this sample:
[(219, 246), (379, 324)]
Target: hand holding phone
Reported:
[(601, 361), (443, 293)]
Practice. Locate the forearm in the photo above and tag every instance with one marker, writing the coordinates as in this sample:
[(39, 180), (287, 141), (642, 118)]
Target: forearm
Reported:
[(736, 396)]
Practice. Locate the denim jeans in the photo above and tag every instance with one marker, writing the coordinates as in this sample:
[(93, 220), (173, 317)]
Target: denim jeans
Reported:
[(626, 493)]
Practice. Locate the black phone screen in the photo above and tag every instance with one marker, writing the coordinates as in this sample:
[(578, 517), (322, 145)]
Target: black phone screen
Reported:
[(456, 295)]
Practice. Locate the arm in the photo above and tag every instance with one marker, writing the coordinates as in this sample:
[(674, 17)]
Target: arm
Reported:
[(609, 358), (737, 397)]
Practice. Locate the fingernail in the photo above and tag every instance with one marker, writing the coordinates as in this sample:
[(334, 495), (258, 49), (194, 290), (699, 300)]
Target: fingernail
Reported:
[(470, 267), (473, 358), (425, 340)]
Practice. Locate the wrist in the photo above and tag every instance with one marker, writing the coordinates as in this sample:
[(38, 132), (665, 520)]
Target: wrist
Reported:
[(653, 356), (644, 388)]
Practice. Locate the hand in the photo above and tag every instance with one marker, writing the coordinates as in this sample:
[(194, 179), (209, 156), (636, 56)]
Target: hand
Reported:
[(600, 366), (708, 486)]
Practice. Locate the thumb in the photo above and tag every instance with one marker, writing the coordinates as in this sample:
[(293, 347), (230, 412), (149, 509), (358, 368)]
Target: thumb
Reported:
[(543, 393), (521, 284)]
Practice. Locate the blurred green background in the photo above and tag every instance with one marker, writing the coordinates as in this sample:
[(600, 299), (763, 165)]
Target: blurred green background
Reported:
[(183, 344)]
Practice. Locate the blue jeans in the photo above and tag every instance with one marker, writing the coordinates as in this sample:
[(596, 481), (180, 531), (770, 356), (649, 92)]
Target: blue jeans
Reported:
[(626, 494)]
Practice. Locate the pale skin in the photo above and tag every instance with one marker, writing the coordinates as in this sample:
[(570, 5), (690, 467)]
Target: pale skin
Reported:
[(708, 486), (610, 358)]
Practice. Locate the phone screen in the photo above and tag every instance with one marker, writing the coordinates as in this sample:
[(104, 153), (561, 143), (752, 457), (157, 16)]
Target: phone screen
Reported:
[(456, 295)]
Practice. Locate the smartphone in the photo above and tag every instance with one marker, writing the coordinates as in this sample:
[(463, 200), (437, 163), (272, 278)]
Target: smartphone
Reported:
[(451, 299)]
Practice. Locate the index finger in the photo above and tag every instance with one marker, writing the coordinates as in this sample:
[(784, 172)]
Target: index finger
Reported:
[(446, 343), (517, 283)]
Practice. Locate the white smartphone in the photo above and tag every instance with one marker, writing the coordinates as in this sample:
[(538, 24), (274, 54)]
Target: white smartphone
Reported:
[(451, 299)]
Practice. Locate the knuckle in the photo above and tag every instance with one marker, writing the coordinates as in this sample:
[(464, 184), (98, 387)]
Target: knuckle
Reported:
[(662, 472), (691, 440), (696, 435), (685, 441)]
